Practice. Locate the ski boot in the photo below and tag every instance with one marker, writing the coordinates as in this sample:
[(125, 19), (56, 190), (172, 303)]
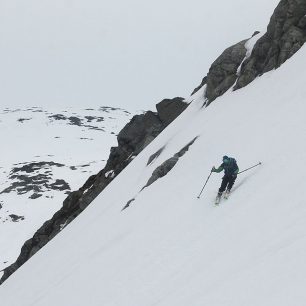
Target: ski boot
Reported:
[(218, 198), (226, 194)]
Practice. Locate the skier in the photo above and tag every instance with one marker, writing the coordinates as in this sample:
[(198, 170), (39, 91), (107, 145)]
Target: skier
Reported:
[(229, 165)]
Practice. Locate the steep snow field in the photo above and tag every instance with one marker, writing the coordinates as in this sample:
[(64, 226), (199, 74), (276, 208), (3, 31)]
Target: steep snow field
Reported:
[(168, 247), (45, 154)]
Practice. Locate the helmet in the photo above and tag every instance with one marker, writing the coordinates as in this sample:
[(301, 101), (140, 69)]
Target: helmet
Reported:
[(225, 158)]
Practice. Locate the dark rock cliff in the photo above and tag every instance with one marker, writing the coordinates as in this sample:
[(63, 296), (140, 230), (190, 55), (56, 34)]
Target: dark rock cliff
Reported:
[(222, 74), (286, 34), (132, 139)]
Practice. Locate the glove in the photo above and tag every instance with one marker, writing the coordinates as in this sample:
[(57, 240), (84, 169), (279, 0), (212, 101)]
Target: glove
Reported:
[(213, 169)]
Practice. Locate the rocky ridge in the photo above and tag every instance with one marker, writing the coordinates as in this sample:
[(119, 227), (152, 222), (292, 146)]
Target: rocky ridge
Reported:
[(132, 139), (286, 34)]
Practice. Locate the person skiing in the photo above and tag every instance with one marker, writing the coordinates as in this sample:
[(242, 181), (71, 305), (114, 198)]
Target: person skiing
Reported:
[(230, 167)]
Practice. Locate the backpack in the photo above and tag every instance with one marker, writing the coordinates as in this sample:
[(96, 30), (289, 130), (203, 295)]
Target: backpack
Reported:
[(230, 167)]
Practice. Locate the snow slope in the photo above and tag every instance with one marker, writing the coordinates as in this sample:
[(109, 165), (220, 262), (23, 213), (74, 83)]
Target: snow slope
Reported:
[(45, 154), (168, 247)]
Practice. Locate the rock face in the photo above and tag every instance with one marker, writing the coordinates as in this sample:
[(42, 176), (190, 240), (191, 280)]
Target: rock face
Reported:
[(169, 109), (132, 139), (222, 74), (285, 35)]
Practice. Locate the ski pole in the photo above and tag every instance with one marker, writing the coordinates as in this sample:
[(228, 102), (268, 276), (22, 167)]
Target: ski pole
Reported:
[(249, 168), (204, 184)]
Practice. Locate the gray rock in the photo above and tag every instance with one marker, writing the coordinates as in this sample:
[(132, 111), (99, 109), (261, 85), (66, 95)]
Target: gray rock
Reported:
[(204, 82), (155, 155), (286, 34), (169, 109), (132, 139), (140, 131), (168, 165), (222, 74)]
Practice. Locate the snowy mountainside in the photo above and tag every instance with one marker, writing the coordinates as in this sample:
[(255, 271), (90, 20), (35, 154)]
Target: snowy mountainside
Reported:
[(235, 68), (45, 155), (168, 247)]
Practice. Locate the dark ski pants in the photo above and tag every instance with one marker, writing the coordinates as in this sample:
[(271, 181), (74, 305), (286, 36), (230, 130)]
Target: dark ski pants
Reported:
[(227, 182)]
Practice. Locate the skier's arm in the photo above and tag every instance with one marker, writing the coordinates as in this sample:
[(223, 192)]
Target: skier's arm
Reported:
[(218, 170), (236, 171)]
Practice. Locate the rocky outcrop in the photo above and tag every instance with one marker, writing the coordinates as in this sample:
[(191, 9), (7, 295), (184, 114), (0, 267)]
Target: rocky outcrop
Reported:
[(164, 168), (132, 139), (222, 74), (285, 35), (168, 165), (169, 109), (204, 82)]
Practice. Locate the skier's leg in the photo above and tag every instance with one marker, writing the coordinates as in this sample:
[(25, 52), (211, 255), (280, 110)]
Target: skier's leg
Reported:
[(223, 184), (231, 182)]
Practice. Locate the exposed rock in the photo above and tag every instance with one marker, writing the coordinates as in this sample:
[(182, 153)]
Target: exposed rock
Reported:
[(168, 165), (23, 119), (169, 109), (58, 117), (16, 218), (155, 155), (60, 184), (139, 132), (222, 74), (35, 196), (75, 121), (132, 139), (31, 167), (128, 204), (163, 169), (255, 33), (35, 177), (285, 35), (204, 82)]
